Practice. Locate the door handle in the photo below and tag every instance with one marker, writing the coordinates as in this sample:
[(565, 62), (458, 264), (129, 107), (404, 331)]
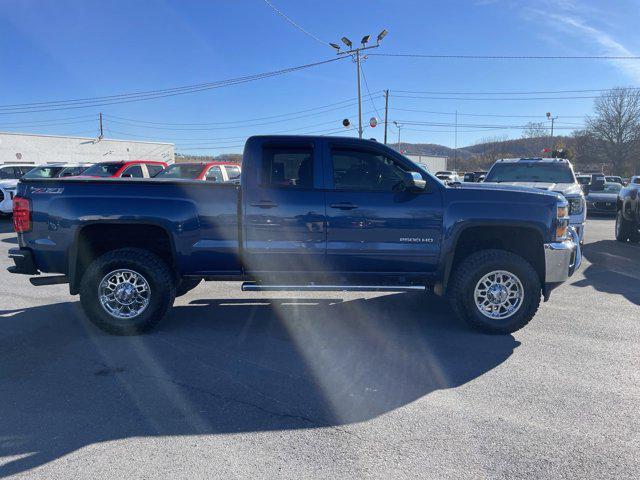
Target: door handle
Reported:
[(264, 204), (344, 206)]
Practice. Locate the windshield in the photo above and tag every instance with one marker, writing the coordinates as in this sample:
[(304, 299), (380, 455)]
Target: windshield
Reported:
[(184, 170), (531, 172), (608, 188), (103, 169), (44, 172)]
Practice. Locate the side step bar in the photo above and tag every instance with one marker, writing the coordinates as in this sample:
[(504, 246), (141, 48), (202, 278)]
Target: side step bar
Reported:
[(257, 287), (50, 280)]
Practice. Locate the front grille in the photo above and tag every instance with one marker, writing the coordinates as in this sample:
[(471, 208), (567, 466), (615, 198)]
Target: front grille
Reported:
[(605, 205)]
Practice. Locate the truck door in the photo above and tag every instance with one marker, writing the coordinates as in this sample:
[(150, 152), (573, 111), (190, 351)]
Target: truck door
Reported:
[(373, 223), (285, 220)]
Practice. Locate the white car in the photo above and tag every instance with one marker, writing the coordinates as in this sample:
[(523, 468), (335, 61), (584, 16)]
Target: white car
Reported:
[(554, 174), (10, 173)]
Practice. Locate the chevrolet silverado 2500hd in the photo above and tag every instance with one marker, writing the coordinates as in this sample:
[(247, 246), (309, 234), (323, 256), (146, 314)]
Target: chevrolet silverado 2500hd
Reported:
[(310, 213)]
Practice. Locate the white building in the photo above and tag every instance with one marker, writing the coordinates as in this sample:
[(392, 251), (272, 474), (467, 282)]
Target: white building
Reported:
[(37, 149), (431, 162)]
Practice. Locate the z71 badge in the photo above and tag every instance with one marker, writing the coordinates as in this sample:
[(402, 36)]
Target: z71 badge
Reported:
[(51, 191)]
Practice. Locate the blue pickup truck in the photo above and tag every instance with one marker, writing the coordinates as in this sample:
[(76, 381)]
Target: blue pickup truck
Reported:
[(310, 213)]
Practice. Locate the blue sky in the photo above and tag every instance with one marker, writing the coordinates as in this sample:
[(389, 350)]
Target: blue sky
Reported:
[(63, 49)]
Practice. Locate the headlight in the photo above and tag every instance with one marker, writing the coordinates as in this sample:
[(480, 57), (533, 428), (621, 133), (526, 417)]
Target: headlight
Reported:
[(562, 221), (576, 205)]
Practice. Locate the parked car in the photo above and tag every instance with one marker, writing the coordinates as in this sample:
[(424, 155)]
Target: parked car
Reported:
[(614, 179), (10, 173), (57, 170), (448, 176), (628, 212), (603, 201), (124, 169), (551, 174), (219, 172), (584, 181), (130, 247)]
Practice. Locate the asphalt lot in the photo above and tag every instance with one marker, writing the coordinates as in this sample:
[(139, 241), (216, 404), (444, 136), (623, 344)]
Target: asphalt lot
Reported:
[(337, 385)]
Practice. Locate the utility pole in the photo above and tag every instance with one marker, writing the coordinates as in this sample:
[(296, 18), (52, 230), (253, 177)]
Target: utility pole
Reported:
[(101, 136), (386, 113), (455, 144), (553, 119), (355, 55)]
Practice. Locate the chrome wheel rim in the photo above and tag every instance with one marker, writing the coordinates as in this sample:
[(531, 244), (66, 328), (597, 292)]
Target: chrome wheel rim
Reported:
[(124, 294), (498, 295)]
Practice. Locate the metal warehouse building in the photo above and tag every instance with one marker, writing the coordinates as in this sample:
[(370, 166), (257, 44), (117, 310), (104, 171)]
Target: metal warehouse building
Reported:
[(32, 148), (431, 162)]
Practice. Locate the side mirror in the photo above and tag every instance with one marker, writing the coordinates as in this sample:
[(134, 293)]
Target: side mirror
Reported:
[(414, 181)]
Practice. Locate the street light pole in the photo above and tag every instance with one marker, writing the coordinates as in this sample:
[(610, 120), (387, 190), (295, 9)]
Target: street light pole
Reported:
[(386, 113), (399, 127), (553, 119), (355, 54)]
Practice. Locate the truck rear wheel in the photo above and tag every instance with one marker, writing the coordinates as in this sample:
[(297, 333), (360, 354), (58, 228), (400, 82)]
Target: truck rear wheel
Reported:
[(495, 291), (626, 230), (127, 291)]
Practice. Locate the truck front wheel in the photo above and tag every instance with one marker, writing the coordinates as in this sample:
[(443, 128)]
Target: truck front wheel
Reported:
[(127, 291), (495, 291)]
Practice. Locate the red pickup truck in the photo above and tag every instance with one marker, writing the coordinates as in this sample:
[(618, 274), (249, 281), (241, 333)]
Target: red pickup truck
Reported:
[(121, 169)]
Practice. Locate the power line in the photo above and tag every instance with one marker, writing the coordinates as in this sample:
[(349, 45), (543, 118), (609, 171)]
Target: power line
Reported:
[(479, 114), (366, 84), (150, 94), (512, 57), (288, 19), (514, 93), (492, 99)]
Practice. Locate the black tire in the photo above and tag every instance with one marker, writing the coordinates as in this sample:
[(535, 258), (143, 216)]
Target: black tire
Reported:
[(472, 269), (153, 270), (185, 285), (626, 231)]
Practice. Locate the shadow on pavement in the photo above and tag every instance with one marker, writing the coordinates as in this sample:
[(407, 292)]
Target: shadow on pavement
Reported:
[(6, 224), (615, 268), (224, 366)]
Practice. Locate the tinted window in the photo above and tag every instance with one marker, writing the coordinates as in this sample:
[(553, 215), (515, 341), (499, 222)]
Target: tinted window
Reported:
[(215, 174), (134, 171), (183, 170), (531, 172), (361, 170), (233, 172), (7, 173), (287, 167), (636, 180), (44, 172), (611, 188), (72, 171), (154, 169), (103, 169)]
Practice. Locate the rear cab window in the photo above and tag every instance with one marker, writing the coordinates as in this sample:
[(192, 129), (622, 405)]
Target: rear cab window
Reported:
[(287, 167), (542, 172)]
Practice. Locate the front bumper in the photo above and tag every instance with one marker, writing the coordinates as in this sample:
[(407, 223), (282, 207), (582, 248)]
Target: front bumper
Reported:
[(562, 259), (23, 260)]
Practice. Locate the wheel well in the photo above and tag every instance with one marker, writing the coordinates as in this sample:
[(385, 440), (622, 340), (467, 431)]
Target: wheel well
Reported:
[(95, 240), (523, 241)]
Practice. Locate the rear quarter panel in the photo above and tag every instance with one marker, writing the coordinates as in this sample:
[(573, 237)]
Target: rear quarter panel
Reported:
[(200, 218)]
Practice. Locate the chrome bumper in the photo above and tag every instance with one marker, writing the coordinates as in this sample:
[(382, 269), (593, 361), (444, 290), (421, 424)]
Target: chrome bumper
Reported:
[(562, 259)]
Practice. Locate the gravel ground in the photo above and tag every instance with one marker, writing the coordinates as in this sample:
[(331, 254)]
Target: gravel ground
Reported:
[(320, 385)]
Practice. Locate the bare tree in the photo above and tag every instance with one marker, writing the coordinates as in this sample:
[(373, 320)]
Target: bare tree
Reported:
[(615, 127), (535, 130)]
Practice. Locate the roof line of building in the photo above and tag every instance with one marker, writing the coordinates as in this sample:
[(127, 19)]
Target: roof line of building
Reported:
[(86, 138)]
